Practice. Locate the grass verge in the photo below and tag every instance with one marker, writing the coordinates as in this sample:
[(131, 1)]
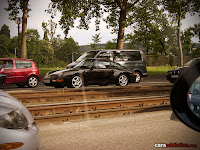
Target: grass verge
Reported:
[(162, 70)]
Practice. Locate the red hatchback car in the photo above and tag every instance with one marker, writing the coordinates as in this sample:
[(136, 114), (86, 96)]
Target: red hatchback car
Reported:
[(21, 71)]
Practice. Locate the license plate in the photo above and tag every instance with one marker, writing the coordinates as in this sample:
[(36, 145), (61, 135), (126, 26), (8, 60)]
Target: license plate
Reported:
[(46, 81), (174, 76)]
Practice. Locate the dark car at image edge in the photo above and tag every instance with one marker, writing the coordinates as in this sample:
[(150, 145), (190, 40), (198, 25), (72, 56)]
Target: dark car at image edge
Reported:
[(2, 75), (90, 72), (173, 74)]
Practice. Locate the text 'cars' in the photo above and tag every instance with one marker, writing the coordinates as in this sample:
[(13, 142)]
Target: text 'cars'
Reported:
[(88, 72), (17, 127), (21, 72)]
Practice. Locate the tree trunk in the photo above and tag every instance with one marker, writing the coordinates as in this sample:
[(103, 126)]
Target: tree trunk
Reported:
[(122, 24), (179, 42), (24, 29)]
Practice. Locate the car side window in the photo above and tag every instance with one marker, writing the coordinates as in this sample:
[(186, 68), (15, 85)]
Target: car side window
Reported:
[(106, 55), (8, 64), (102, 64), (23, 64), (127, 56)]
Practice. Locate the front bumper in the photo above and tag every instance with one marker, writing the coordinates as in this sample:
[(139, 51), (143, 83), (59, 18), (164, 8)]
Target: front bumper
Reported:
[(30, 138)]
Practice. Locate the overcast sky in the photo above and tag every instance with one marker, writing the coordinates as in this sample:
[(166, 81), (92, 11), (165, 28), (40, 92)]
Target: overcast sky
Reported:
[(37, 15)]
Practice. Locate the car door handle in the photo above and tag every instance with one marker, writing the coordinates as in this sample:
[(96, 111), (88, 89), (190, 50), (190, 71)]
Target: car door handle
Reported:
[(11, 73)]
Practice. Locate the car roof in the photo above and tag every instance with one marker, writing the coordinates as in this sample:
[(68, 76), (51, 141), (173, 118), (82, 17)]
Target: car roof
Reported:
[(114, 50), (98, 59), (15, 59)]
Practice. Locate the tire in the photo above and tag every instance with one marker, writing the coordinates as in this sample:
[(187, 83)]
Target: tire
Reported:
[(76, 81), (32, 81), (21, 85), (138, 77), (122, 80)]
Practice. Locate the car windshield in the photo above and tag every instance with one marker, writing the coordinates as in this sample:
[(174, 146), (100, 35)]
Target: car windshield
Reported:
[(90, 54), (85, 63)]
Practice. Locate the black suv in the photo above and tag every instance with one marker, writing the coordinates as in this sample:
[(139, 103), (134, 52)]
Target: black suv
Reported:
[(173, 74), (130, 59)]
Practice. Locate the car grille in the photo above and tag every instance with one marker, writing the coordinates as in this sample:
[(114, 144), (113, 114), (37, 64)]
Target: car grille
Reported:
[(176, 72)]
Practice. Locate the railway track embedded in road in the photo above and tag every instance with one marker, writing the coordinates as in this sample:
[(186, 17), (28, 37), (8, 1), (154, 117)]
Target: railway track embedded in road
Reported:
[(64, 112), (88, 94), (63, 105)]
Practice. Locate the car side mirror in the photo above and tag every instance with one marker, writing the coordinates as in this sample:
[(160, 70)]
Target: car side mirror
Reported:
[(92, 68), (184, 102)]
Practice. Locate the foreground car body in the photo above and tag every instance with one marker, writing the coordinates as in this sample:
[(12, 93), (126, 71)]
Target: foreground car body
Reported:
[(90, 71), (17, 127), (173, 74), (21, 72)]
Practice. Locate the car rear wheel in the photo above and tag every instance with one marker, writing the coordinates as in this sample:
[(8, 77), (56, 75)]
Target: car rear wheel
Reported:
[(76, 81), (138, 77), (32, 81), (122, 80), (21, 85)]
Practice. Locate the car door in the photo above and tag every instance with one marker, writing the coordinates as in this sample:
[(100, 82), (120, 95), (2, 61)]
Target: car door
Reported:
[(102, 71), (22, 71), (9, 70)]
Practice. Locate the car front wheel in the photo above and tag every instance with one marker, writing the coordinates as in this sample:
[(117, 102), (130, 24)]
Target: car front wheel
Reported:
[(32, 81), (76, 81), (122, 80)]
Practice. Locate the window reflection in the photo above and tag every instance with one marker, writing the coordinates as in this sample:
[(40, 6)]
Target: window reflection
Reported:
[(194, 97)]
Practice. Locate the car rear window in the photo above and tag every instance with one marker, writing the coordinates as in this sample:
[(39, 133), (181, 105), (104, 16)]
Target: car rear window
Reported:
[(23, 64), (121, 55), (8, 64)]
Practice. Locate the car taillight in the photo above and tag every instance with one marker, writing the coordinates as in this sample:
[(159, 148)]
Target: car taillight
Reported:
[(2, 70)]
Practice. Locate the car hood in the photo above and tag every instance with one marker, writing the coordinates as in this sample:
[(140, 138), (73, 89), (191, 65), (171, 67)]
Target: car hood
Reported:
[(62, 71), (71, 65), (8, 104)]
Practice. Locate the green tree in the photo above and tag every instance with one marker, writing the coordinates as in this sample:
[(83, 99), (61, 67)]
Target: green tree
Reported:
[(151, 28), (179, 8), (33, 46), (118, 14), (4, 45), (13, 47), (5, 31), (110, 45), (14, 6), (96, 40), (68, 47)]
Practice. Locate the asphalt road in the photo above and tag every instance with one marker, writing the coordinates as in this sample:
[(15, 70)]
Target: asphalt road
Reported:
[(152, 80), (135, 132)]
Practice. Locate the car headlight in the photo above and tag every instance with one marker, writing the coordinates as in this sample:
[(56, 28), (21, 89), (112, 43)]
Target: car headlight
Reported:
[(14, 120), (47, 75), (60, 75)]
